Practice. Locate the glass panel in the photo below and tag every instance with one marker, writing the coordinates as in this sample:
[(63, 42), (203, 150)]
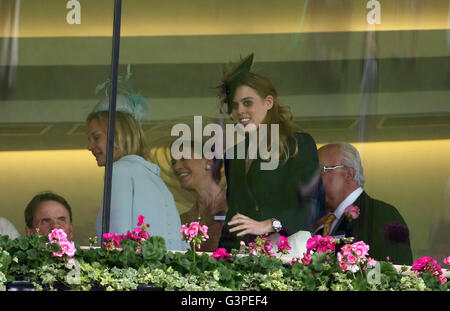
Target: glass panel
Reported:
[(371, 73), (52, 59)]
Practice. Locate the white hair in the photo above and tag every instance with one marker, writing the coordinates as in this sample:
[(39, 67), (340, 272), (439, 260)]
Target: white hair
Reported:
[(351, 158)]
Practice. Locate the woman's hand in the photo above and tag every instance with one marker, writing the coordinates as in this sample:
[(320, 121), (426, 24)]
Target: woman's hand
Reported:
[(247, 225)]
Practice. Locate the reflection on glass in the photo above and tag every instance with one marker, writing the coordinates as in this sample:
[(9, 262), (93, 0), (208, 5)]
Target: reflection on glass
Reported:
[(48, 70), (381, 87)]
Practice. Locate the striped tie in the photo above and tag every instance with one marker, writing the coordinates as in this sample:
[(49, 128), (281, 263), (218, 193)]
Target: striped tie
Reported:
[(327, 226)]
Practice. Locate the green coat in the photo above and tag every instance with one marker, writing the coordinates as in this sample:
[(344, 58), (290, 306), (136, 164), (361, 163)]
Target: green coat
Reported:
[(265, 194)]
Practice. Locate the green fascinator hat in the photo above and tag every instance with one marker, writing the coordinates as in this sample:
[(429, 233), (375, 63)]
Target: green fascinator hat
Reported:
[(232, 79)]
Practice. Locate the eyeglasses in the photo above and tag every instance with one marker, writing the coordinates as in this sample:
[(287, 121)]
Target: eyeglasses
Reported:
[(325, 169)]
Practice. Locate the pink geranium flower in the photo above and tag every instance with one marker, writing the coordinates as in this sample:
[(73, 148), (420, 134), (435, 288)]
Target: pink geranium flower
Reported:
[(57, 234), (351, 259), (67, 248), (354, 256), (306, 260), (141, 220), (360, 248), (283, 245), (320, 244), (194, 233), (343, 265), (428, 264), (139, 234), (352, 212), (261, 246), (447, 260), (372, 262), (221, 253), (312, 243)]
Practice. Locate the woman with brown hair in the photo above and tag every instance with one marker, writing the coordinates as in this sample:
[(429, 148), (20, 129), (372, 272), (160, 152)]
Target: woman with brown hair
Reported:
[(266, 201), (203, 177), (137, 188)]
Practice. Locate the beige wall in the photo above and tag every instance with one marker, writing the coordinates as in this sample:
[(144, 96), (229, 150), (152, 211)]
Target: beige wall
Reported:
[(70, 173), (226, 17), (412, 176)]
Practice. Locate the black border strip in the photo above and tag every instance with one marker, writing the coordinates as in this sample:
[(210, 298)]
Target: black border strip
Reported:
[(112, 118)]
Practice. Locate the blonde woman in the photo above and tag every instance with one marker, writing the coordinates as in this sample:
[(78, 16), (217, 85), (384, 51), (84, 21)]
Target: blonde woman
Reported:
[(137, 188)]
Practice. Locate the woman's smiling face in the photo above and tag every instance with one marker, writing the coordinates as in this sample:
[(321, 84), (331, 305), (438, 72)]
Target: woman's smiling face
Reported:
[(248, 107), (97, 141), (191, 173)]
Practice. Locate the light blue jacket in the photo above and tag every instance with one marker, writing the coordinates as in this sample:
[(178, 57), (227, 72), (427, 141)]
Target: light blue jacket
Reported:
[(137, 189)]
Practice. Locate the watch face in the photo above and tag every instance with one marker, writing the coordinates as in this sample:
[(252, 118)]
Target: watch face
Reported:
[(276, 225)]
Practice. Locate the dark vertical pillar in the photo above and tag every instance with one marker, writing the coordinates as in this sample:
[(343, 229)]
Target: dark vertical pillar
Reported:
[(112, 118)]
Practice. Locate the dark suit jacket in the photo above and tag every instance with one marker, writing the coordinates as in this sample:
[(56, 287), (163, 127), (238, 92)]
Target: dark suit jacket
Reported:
[(380, 226)]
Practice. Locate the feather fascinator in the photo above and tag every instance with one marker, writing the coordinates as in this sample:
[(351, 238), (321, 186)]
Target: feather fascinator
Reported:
[(127, 100), (231, 80)]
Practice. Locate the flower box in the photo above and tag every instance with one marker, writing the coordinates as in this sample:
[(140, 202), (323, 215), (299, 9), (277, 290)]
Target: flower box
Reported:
[(27, 286), (142, 263)]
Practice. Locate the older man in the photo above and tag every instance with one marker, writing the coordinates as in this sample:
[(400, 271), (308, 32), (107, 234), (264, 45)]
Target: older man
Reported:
[(48, 211), (379, 224)]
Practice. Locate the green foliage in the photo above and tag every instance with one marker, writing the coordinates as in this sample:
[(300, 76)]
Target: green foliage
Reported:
[(154, 249), (29, 252), (304, 274), (28, 258)]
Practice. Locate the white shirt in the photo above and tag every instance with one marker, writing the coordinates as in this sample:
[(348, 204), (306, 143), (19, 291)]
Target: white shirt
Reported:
[(349, 200), (7, 228)]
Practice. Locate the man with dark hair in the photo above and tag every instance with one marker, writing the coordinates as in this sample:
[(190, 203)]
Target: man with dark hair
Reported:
[(48, 211)]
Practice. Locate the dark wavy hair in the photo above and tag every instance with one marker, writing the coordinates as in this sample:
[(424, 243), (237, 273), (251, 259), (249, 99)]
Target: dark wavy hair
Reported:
[(30, 210)]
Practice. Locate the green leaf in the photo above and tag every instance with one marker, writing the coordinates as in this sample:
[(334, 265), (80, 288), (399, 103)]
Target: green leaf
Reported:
[(128, 254), (297, 271), (360, 282), (22, 243), (4, 239), (310, 281), (431, 281), (317, 261), (33, 254), (5, 261), (154, 249), (225, 273)]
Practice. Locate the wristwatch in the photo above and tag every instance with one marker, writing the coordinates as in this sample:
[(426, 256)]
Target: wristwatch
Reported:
[(276, 225)]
